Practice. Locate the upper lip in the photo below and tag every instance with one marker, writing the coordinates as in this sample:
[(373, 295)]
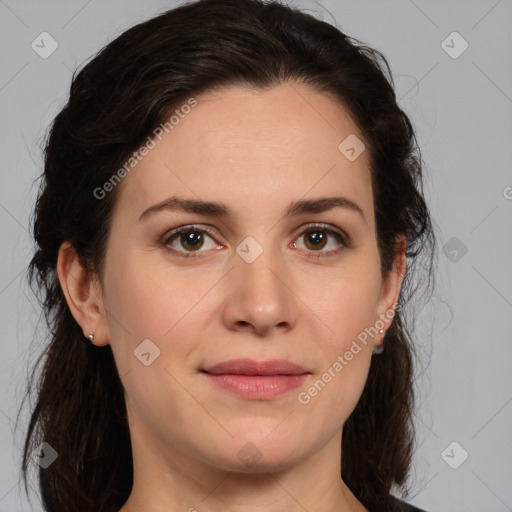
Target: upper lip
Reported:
[(253, 367)]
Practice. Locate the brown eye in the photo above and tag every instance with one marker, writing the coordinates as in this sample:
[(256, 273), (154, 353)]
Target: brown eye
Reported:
[(317, 238), (192, 240), (187, 240)]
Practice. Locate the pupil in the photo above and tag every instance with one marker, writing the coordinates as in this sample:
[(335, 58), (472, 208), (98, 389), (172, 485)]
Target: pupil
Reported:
[(316, 237)]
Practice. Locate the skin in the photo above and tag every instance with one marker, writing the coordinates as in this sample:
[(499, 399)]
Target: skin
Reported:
[(256, 151)]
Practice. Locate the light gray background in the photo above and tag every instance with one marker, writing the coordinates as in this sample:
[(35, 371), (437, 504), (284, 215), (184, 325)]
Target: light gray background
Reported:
[(462, 111)]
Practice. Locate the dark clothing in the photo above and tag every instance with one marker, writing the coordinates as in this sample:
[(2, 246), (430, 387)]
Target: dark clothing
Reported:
[(405, 507)]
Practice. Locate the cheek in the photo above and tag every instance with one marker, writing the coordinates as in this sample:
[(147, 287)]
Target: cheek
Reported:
[(150, 299), (150, 302), (346, 303), (346, 306), (334, 393)]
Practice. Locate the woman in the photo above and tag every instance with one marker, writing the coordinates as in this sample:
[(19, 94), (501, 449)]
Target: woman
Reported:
[(229, 221)]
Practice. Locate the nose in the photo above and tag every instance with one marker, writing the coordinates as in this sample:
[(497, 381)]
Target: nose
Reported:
[(259, 297)]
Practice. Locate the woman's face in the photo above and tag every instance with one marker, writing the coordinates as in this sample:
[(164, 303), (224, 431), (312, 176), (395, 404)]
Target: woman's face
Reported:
[(269, 280)]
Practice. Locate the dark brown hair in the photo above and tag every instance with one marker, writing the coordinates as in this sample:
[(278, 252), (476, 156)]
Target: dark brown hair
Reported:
[(115, 102)]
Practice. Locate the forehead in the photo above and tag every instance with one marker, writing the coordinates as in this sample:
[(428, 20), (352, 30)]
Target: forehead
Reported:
[(251, 148)]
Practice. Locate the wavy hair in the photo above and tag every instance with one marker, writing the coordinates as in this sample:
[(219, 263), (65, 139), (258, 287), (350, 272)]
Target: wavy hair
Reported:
[(116, 100)]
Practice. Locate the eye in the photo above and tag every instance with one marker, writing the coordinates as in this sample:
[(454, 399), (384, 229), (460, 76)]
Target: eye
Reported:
[(193, 238), (316, 237), (190, 238)]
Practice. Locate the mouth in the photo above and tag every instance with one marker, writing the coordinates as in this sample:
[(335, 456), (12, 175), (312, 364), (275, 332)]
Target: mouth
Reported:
[(258, 380), (251, 367)]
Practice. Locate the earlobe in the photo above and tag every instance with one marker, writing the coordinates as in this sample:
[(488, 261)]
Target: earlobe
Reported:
[(81, 293)]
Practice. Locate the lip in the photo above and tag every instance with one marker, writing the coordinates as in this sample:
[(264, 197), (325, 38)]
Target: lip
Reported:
[(258, 380), (252, 367)]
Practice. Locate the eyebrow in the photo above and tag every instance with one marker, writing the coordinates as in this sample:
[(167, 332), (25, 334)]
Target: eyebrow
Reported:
[(318, 205)]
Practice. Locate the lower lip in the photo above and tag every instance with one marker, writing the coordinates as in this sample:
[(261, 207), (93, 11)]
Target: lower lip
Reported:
[(258, 387)]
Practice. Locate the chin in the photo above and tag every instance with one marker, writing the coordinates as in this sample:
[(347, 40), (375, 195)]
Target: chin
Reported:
[(253, 462), (257, 453)]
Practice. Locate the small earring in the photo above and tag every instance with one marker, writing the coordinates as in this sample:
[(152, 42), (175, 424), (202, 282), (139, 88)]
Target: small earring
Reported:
[(376, 349), (91, 337)]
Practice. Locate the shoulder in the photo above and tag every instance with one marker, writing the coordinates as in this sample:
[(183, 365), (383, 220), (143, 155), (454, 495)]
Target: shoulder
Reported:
[(405, 507)]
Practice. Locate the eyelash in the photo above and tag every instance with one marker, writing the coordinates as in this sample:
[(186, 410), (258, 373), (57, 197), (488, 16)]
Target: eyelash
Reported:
[(342, 239)]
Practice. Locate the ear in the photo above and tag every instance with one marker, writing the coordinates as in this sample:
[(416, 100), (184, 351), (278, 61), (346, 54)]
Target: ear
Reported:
[(83, 294), (392, 284)]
